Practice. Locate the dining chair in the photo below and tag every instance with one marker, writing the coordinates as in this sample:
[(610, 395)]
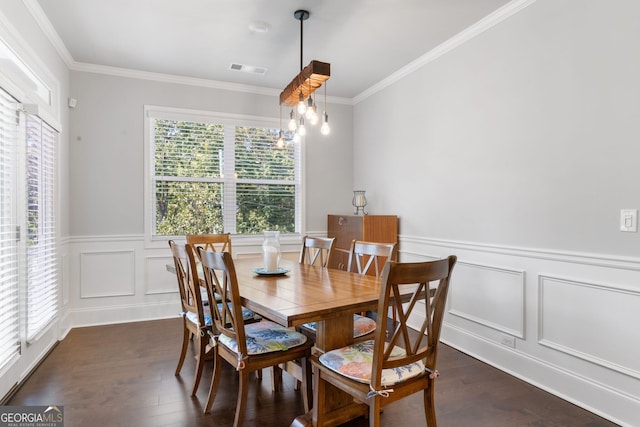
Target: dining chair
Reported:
[(216, 243), (316, 248), (383, 370), (370, 258), (196, 320), (211, 242), (247, 347)]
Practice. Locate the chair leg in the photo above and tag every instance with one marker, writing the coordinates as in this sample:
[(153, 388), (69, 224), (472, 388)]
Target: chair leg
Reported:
[(243, 391), (276, 378), (374, 411), (307, 386), (319, 398), (429, 406), (202, 352), (215, 382), (185, 343)]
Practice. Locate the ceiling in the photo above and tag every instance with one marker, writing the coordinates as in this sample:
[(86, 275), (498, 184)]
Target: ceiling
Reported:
[(365, 41)]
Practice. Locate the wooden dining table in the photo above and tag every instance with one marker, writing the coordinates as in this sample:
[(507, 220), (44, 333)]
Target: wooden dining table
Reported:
[(312, 294)]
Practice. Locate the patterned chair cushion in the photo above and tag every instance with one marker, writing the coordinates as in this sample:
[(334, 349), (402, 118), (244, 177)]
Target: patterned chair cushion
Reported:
[(361, 326), (355, 362), (208, 321), (266, 337)]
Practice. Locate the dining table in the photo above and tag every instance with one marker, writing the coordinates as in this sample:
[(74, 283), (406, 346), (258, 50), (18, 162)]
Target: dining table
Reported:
[(299, 293)]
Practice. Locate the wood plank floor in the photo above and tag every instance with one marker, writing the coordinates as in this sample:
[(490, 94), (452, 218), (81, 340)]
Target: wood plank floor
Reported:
[(123, 375)]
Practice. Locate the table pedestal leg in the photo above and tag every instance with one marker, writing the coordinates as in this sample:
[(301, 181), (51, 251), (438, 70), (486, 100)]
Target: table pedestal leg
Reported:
[(339, 407)]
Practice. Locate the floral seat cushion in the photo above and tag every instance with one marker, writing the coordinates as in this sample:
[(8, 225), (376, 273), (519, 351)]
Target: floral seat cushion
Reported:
[(355, 362), (361, 326), (208, 321), (266, 337)]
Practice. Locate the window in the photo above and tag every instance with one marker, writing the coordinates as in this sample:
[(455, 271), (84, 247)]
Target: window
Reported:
[(212, 173)]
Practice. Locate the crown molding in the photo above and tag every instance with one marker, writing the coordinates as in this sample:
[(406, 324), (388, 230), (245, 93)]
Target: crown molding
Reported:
[(50, 33), (464, 36)]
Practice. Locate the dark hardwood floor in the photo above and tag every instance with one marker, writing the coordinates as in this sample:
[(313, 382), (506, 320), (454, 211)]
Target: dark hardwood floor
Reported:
[(123, 375)]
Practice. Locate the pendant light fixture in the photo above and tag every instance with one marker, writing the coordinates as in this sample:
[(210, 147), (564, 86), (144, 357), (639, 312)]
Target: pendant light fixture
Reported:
[(308, 80)]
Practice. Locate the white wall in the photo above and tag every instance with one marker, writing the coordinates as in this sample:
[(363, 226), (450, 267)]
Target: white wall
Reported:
[(516, 151), (107, 149)]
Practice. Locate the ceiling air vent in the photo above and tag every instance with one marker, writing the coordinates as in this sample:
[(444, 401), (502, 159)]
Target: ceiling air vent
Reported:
[(248, 68)]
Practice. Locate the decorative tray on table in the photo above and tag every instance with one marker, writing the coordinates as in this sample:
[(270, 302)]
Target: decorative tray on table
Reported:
[(279, 272)]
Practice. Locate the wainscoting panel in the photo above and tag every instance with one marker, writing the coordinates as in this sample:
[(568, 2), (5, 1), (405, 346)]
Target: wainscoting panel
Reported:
[(490, 296), (157, 280), (591, 321), (566, 322), (107, 274)]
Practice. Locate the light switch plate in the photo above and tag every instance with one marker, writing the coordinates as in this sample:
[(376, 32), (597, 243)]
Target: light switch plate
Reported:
[(629, 220)]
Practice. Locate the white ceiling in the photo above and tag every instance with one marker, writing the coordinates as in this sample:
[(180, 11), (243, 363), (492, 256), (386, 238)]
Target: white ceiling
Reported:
[(365, 41)]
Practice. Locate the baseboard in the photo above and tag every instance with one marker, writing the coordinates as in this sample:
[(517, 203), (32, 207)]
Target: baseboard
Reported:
[(96, 316)]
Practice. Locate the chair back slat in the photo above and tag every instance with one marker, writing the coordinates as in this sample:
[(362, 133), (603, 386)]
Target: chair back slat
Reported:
[(220, 278), (429, 283), (316, 248)]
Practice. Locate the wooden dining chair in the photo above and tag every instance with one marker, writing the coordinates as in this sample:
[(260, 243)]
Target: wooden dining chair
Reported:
[(370, 257), (386, 369), (246, 347), (220, 242), (196, 320), (216, 243), (316, 249), (211, 242)]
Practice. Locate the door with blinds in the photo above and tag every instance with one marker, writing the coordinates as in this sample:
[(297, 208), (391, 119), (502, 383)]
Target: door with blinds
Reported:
[(9, 277), (28, 262)]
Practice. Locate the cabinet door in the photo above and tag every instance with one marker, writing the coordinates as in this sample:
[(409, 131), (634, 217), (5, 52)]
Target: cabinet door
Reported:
[(344, 229)]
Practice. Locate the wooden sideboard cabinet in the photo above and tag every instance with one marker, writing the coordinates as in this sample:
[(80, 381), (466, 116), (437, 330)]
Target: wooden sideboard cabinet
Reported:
[(370, 228)]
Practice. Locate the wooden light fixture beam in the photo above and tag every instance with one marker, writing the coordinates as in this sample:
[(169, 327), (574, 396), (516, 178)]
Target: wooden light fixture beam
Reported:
[(307, 81)]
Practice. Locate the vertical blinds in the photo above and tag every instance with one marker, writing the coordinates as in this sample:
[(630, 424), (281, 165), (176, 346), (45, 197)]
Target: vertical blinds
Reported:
[(9, 302), (42, 280)]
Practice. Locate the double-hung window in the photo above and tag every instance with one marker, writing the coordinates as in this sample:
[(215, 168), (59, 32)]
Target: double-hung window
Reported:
[(215, 173)]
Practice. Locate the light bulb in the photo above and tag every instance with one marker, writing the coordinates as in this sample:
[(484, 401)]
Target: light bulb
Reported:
[(309, 111), (314, 117), (301, 129), (280, 141), (292, 122), (302, 107), (325, 129)]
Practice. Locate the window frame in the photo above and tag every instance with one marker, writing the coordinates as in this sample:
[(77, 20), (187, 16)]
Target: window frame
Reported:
[(152, 112)]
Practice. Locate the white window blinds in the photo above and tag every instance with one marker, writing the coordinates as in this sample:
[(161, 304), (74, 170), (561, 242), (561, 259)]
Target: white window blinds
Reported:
[(42, 280), (211, 174), (9, 302)]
